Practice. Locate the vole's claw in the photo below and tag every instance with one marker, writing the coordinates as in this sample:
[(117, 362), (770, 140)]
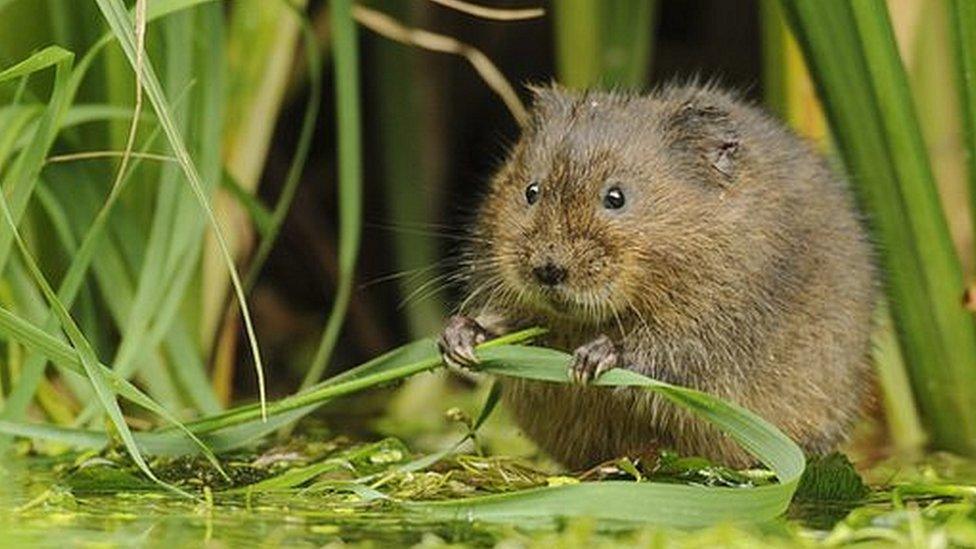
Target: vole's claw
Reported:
[(592, 359), (457, 342)]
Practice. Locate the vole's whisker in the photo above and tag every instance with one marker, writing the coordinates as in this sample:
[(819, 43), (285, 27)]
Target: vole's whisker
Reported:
[(411, 274), (638, 314), (422, 292), (430, 232), (486, 286), (620, 324)]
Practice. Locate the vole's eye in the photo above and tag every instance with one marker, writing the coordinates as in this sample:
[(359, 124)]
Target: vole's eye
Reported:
[(532, 193), (614, 198)]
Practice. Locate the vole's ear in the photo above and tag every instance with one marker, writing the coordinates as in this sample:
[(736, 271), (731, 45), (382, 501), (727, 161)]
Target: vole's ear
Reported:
[(708, 131)]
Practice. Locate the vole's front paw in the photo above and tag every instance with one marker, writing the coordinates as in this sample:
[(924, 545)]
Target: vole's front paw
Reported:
[(458, 340), (592, 359)]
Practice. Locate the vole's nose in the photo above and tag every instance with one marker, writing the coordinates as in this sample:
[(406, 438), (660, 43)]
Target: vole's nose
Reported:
[(549, 274)]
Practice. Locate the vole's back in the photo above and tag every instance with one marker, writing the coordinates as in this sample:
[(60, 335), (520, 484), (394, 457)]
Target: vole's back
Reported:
[(754, 267)]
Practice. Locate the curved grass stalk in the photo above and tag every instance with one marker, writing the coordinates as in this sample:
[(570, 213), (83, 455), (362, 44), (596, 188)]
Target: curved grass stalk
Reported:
[(385, 25), (498, 14)]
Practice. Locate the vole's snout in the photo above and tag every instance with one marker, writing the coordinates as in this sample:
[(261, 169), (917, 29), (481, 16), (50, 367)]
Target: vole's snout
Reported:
[(550, 274)]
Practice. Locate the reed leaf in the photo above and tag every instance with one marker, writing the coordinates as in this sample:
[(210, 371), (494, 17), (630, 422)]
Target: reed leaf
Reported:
[(409, 186), (348, 118), (604, 43), (861, 81), (89, 361), (963, 32), (121, 25)]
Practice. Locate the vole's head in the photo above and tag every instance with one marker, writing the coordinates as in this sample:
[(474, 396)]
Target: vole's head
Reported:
[(610, 205)]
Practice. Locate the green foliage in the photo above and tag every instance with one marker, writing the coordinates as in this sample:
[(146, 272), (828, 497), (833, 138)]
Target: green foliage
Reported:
[(854, 61), (831, 478), (963, 31), (404, 112), (604, 42), (346, 55)]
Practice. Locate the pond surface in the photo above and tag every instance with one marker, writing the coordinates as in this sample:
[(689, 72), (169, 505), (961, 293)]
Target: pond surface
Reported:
[(41, 506), (37, 511)]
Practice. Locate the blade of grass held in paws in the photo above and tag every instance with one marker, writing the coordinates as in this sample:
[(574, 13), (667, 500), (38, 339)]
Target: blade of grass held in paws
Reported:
[(670, 504), (667, 504)]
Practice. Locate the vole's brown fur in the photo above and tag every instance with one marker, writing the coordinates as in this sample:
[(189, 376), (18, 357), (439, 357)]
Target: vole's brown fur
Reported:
[(738, 266)]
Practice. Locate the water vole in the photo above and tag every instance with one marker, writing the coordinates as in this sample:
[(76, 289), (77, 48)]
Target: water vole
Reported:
[(684, 235)]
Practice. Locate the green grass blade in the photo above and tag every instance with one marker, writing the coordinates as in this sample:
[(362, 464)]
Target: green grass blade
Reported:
[(51, 56), (604, 43), (65, 435), (87, 357), (666, 504), (304, 144), (157, 444), (260, 215), (963, 26), (410, 187), (295, 477), (20, 180), (410, 359), (19, 124), (16, 329), (346, 55), (852, 55), (192, 378), (670, 504), (207, 123), (121, 25)]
